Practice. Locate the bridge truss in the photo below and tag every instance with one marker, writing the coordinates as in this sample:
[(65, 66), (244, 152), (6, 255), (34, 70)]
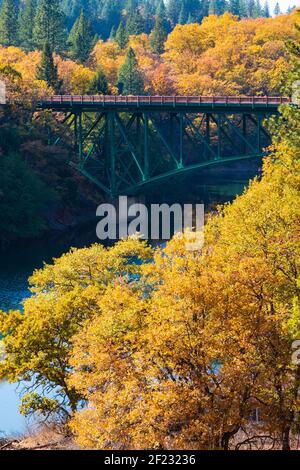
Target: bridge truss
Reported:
[(124, 144)]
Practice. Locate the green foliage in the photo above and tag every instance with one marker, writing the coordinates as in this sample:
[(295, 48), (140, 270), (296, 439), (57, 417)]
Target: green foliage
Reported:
[(8, 23), (43, 407), (277, 10), (23, 200), (47, 70), (158, 36), (174, 11), (49, 25), (26, 24), (99, 83), (66, 295), (121, 37), (82, 38), (130, 78), (135, 23), (105, 16)]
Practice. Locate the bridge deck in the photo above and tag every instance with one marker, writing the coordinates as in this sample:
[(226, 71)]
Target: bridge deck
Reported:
[(192, 103)]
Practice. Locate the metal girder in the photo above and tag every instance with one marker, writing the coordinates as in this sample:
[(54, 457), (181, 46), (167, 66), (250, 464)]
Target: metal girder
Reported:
[(123, 152)]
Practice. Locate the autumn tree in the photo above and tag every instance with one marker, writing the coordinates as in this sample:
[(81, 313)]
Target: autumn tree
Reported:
[(66, 295), (215, 331)]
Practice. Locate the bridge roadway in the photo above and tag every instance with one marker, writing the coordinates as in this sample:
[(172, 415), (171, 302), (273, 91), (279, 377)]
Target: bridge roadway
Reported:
[(265, 104)]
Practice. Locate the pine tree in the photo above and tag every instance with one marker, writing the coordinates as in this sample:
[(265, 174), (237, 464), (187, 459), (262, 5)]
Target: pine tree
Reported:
[(81, 38), (251, 8), (213, 10), (257, 12), (112, 34), (26, 22), (174, 8), (110, 15), (99, 83), (49, 25), (244, 9), (47, 70), (161, 9), (148, 16), (184, 13), (266, 10), (158, 36), (131, 6), (130, 79), (121, 37), (235, 7), (190, 19), (217, 7), (277, 10), (8, 23), (135, 24), (204, 9)]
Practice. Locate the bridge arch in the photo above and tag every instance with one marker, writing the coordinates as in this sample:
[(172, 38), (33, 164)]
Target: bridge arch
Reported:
[(124, 144)]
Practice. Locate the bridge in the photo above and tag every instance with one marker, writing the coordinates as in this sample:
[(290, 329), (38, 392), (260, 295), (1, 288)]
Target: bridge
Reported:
[(126, 143)]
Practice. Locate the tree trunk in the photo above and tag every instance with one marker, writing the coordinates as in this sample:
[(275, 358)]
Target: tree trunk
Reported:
[(286, 438)]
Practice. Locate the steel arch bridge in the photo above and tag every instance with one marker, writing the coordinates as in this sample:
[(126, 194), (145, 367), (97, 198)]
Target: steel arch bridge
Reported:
[(125, 143)]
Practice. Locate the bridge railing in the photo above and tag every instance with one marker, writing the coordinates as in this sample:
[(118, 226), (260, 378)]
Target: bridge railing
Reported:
[(166, 100)]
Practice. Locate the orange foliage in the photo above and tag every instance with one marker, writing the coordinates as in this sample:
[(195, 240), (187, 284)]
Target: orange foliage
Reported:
[(220, 56)]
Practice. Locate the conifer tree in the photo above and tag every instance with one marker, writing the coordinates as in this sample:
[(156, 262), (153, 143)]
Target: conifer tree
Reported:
[(135, 24), (110, 15), (99, 83), (47, 70), (121, 36), (234, 7), (257, 12), (81, 38), (266, 10), (131, 6), (130, 78), (8, 23), (277, 10), (112, 34), (158, 36), (148, 16), (49, 25), (26, 22), (217, 7), (174, 8), (184, 13), (213, 7)]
